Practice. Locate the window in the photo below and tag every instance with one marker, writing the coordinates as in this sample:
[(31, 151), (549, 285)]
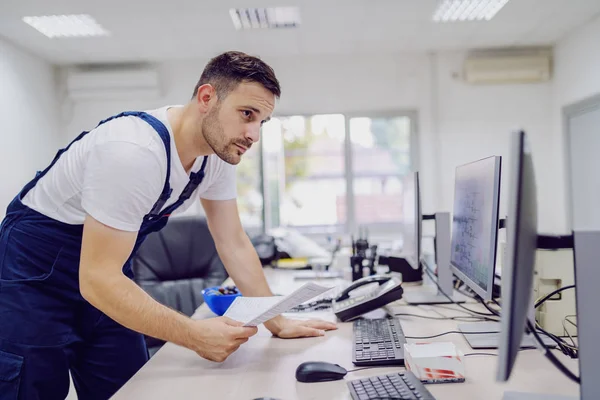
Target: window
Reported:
[(304, 165), (380, 157), (312, 163), (250, 198)]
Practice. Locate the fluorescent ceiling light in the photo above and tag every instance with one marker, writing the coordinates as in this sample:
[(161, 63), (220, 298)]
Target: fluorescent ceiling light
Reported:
[(271, 17), (66, 25), (467, 10)]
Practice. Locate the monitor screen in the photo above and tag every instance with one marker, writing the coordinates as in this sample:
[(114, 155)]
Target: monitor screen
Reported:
[(521, 244), (411, 219), (475, 224)]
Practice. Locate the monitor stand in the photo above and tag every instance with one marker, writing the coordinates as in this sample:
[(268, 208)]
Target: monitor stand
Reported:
[(490, 340), (445, 279)]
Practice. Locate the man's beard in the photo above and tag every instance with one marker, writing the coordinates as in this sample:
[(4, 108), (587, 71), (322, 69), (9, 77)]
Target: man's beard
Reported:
[(215, 137)]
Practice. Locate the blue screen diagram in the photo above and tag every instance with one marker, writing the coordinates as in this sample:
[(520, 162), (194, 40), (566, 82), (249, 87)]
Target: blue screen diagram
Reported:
[(472, 228)]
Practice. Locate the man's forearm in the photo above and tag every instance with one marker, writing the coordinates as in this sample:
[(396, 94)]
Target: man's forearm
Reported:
[(125, 302), (244, 267)]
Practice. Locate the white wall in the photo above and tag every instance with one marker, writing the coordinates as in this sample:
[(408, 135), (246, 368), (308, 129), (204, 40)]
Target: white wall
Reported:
[(457, 123), (29, 119), (577, 77), (577, 64), (475, 121)]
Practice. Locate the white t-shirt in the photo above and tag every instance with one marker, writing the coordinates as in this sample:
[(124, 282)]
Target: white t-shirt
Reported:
[(117, 172)]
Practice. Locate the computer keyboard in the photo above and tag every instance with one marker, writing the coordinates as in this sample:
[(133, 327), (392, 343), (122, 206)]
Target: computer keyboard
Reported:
[(317, 305), (401, 385), (378, 342)]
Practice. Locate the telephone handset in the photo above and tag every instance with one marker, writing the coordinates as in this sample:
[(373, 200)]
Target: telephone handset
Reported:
[(348, 307), (381, 279)]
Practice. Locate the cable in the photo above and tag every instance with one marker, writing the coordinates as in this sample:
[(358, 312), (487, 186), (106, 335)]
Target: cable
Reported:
[(569, 321), (454, 318), (475, 312), (446, 307), (554, 337), (564, 347), (423, 316), (464, 318), (490, 354), (551, 355), (533, 329), (458, 285), (452, 300), (549, 295), (448, 333), (490, 309), (469, 295), (567, 331), (485, 317)]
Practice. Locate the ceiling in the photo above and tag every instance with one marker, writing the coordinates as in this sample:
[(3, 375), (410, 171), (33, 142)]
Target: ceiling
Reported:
[(148, 30)]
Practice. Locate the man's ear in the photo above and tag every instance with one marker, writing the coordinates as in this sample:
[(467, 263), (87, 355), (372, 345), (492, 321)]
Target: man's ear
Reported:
[(206, 96)]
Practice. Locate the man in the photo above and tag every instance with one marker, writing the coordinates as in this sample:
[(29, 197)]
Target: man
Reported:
[(67, 301)]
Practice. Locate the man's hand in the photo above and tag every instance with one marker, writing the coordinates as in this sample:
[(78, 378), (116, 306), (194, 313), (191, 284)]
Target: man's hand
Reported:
[(244, 267), (286, 328), (102, 283), (216, 338)]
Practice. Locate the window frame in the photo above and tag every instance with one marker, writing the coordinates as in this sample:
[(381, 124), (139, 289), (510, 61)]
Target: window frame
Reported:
[(351, 224)]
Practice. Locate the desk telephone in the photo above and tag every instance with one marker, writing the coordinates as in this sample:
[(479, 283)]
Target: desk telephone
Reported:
[(347, 307)]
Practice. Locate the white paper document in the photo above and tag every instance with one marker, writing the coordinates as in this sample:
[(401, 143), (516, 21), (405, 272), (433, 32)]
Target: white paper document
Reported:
[(253, 311)]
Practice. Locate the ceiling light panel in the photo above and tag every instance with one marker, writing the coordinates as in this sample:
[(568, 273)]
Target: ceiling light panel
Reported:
[(65, 26), (265, 18), (467, 10)]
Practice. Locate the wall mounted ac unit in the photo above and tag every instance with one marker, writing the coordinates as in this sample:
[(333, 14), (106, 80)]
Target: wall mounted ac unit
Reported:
[(523, 67), (113, 82)]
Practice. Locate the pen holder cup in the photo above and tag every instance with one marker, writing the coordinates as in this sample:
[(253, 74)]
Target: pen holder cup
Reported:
[(219, 298)]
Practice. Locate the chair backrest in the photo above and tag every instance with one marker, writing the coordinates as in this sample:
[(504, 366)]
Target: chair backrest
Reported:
[(176, 263)]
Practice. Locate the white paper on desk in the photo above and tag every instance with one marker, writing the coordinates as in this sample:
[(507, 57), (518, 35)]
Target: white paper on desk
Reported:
[(253, 311)]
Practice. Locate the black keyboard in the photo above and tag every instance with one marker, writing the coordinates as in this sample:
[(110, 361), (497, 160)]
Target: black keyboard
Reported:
[(317, 305), (401, 385), (378, 342)]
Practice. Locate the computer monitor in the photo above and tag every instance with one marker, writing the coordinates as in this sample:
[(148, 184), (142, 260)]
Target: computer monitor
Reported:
[(474, 234), (519, 265), (521, 244), (475, 224), (441, 290), (408, 261), (411, 219)]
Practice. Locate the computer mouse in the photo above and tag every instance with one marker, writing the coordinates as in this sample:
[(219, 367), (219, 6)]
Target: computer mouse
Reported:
[(318, 371)]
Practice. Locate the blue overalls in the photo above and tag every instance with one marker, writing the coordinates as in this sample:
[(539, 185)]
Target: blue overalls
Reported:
[(46, 326)]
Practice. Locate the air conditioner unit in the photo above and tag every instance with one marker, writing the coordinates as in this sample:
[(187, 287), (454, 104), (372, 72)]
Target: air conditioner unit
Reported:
[(113, 82), (508, 68)]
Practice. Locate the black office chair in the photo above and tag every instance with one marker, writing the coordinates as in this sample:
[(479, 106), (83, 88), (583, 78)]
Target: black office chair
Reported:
[(175, 264)]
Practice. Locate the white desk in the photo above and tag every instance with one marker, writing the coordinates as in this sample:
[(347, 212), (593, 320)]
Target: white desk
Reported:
[(265, 366)]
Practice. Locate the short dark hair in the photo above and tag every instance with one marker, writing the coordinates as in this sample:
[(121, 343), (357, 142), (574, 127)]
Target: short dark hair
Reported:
[(225, 71)]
